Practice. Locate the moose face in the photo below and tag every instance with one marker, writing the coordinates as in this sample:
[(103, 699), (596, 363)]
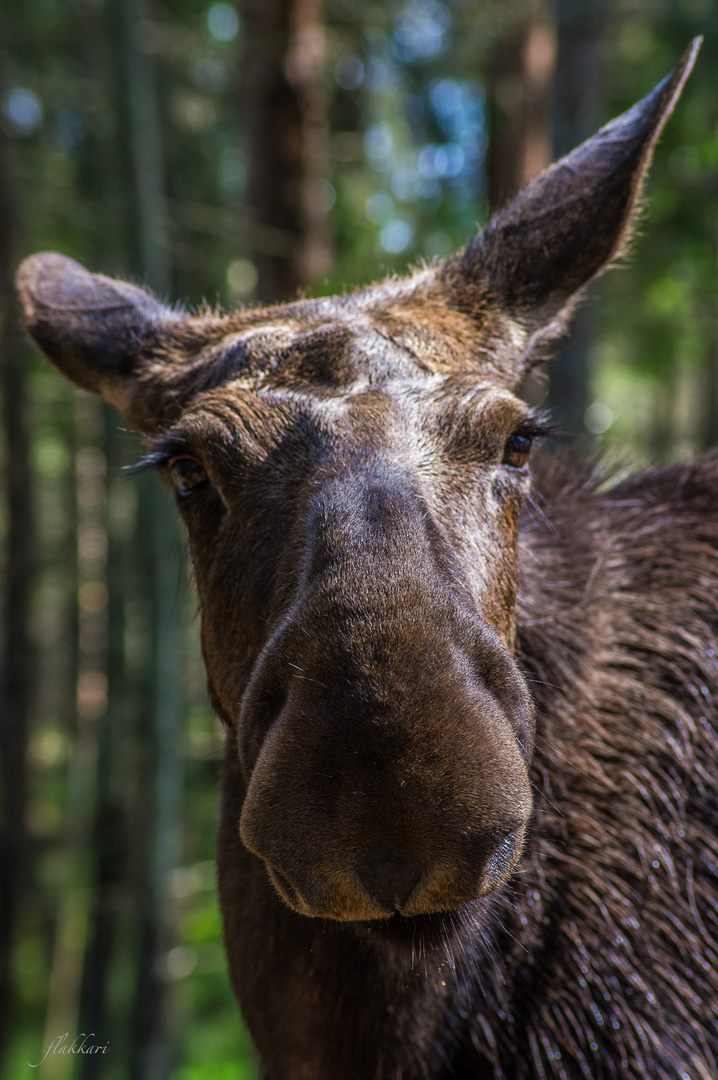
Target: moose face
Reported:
[(351, 473), (355, 553)]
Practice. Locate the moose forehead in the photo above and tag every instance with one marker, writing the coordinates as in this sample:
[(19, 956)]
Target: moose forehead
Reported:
[(356, 387), (340, 343), (330, 368)]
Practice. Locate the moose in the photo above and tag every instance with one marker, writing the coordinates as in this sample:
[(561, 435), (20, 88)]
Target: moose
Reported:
[(470, 821)]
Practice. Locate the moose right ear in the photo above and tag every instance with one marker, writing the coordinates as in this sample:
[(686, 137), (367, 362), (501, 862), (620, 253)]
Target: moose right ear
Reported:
[(97, 331), (534, 258)]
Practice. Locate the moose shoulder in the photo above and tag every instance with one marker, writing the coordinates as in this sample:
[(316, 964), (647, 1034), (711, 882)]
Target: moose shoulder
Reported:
[(470, 825)]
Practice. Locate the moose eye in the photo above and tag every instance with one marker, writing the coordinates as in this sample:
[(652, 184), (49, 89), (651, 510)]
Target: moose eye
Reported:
[(187, 474), (517, 450)]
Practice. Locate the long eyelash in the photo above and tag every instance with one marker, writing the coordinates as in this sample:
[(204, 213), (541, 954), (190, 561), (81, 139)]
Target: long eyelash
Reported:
[(538, 425), (149, 463), (166, 447)]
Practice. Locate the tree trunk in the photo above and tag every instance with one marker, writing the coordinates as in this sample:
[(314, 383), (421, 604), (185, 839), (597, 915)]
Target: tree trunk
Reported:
[(16, 662), (154, 579), (577, 114), (520, 84), (110, 839), (710, 426), (709, 433), (81, 790), (286, 125), (160, 723), (159, 800)]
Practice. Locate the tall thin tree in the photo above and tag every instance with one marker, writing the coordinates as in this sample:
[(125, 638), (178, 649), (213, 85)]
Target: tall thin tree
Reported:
[(577, 113), (286, 133), (155, 574), (520, 85), (16, 661)]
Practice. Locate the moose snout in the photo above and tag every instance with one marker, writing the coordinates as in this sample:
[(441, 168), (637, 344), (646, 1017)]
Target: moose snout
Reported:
[(364, 800), (330, 865)]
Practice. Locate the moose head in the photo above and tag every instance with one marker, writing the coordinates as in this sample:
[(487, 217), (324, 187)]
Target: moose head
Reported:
[(351, 473)]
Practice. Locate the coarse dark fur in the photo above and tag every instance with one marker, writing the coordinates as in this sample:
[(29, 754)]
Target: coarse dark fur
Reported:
[(469, 825)]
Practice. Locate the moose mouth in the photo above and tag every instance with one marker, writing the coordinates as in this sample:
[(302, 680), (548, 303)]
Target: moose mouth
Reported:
[(390, 896), (416, 938), (422, 907)]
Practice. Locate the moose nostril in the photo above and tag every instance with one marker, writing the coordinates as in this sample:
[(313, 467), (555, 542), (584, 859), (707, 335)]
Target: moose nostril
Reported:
[(504, 853), (497, 851), (485, 847), (390, 880)]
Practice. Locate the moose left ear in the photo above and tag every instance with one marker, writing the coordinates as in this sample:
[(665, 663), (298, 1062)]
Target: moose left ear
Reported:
[(95, 329), (568, 225)]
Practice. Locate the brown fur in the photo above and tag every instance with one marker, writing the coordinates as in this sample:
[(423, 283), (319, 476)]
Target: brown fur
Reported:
[(469, 828)]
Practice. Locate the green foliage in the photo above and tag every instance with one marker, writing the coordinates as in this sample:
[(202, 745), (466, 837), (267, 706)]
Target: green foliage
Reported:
[(211, 1041), (220, 1070)]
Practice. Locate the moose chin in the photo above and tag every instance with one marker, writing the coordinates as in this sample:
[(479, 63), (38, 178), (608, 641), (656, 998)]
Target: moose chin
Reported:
[(470, 822)]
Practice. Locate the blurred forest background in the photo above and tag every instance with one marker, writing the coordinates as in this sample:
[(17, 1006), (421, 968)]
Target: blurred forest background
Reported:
[(237, 153)]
